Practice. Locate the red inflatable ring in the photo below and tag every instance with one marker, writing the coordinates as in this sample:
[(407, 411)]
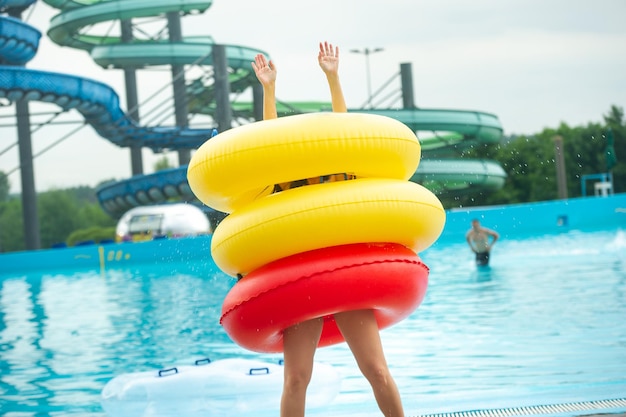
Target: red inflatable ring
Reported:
[(387, 277)]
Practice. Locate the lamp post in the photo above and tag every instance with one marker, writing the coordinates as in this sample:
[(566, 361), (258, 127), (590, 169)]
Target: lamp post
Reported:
[(367, 53)]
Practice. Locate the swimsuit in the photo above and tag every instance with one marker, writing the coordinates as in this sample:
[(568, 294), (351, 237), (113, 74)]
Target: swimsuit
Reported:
[(482, 258), (314, 180)]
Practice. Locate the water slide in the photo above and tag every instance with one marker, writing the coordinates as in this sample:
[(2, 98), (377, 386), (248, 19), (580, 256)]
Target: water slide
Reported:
[(79, 24)]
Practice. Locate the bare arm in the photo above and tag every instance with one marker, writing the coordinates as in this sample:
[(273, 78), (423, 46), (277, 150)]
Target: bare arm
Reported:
[(470, 242), (266, 74), (328, 59), (495, 236)]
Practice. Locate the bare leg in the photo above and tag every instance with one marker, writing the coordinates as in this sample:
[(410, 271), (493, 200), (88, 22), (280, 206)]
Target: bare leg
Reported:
[(299, 342), (360, 330)]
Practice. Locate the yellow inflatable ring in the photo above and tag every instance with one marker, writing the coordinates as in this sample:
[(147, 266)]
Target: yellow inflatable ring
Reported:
[(324, 215), (241, 165)]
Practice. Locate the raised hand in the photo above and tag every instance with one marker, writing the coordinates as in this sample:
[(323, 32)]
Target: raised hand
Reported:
[(328, 58), (265, 70)]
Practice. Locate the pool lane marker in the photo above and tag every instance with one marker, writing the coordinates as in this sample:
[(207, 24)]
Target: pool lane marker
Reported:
[(537, 409)]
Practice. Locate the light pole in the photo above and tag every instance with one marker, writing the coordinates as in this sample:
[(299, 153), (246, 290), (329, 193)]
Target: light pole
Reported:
[(367, 53)]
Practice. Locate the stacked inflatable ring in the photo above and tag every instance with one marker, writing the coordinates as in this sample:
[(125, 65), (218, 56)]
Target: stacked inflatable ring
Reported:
[(318, 249)]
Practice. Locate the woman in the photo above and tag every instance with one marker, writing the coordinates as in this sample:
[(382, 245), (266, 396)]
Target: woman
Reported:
[(359, 328)]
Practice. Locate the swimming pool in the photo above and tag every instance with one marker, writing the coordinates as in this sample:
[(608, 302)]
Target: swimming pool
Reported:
[(543, 325)]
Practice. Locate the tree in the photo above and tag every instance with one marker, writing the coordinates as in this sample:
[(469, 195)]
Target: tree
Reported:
[(61, 212), (614, 120), (92, 215), (11, 226), (58, 216), (529, 162), (95, 234), (5, 186), (162, 164)]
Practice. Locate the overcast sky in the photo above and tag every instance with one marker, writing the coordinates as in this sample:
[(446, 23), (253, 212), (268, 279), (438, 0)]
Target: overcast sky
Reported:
[(533, 63)]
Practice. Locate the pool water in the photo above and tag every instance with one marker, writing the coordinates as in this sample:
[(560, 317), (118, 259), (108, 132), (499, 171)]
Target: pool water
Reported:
[(543, 324)]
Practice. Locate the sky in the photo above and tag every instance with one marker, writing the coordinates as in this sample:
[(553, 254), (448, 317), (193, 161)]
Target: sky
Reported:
[(533, 63)]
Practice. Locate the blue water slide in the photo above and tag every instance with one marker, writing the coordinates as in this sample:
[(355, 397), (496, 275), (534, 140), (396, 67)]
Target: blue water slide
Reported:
[(6, 5), (99, 104), (145, 190), (76, 25), (18, 41)]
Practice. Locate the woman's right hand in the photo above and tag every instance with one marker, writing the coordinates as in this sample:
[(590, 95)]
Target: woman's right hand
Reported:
[(328, 58)]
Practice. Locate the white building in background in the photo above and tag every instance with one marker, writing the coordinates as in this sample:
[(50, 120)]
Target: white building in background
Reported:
[(165, 220)]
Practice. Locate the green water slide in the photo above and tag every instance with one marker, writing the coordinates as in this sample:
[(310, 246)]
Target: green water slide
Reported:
[(444, 135), (90, 25), (97, 27), (76, 26)]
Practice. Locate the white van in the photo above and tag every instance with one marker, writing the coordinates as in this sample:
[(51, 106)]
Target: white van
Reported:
[(164, 220)]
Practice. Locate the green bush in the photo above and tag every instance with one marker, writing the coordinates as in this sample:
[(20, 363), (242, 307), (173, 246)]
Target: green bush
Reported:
[(96, 234)]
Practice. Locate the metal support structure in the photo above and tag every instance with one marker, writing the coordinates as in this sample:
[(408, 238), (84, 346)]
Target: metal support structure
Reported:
[(30, 215), (257, 101), (603, 185), (178, 83), (559, 159), (223, 111), (406, 80), (367, 52), (132, 99)]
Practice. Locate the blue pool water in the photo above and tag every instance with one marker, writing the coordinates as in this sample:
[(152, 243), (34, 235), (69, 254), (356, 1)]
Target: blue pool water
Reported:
[(544, 324)]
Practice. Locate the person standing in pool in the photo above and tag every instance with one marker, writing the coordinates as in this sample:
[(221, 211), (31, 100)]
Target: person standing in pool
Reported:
[(481, 240), (359, 328)]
